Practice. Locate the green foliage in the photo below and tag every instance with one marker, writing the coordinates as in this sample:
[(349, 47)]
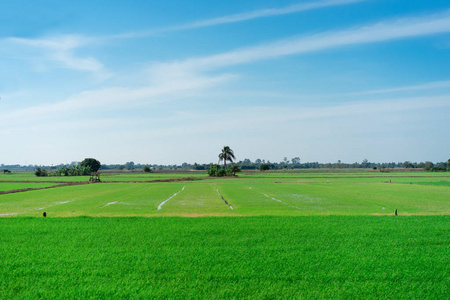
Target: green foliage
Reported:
[(40, 172), (321, 257), (91, 163), (214, 171), (439, 168), (218, 171), (147, 169), (264, 167), (235, 169), (226, 155), (129, 165), (77, 170)]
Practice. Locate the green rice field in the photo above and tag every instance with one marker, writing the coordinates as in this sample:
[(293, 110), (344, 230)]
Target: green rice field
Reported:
[(258, 236)]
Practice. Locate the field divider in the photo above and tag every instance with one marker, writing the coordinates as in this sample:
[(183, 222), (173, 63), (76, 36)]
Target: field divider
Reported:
[(164, 202), (57, 185), (110, 203), (278, 200), (231, 207), (9, 214)]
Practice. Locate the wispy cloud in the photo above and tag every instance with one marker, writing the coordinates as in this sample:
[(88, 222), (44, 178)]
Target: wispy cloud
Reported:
[(436, 85), (418, 87), (380, 32), (117, 98), (240, 17), (175, 78), (62, 50)]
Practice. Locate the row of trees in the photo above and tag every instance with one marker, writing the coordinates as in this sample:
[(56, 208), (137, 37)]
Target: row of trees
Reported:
[(86, 167), (295, 163), (246, 164)]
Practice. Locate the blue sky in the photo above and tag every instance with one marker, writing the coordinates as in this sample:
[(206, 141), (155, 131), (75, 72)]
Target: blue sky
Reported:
[(174, 81)]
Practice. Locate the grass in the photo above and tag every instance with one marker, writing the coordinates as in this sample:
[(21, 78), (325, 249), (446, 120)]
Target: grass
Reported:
[(247, 196), (290, 237), (440, 183), (224, 257), (9, 186), (28, 176)]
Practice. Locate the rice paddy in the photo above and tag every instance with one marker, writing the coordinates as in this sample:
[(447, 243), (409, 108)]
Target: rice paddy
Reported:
[(278, 235)]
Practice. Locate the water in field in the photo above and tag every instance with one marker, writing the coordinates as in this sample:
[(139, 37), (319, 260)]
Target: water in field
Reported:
[(280, 194)]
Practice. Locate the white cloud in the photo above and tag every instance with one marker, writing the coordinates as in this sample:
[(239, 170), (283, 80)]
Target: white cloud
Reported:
[(118, 97), (240, 17), (379, 32), (418, 87), (61, 49), (264, 13)]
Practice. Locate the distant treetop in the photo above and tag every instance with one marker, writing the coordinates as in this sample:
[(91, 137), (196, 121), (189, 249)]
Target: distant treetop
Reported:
[(92, 163)]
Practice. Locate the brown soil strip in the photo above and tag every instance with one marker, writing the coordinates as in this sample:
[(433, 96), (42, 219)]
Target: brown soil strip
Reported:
[(87, 182), (44, 181), (158, 180), (340, 177), (42, 188)]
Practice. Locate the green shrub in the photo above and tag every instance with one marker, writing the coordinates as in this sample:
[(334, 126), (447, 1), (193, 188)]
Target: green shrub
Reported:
[(40, 172), (264, 167)]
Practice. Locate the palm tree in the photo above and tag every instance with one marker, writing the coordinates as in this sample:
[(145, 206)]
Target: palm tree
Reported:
[(226, 155)]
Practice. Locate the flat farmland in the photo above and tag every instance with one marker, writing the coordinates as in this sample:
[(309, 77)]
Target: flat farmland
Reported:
[(14, 186), (341, 194), (362, 257), (256, 236)]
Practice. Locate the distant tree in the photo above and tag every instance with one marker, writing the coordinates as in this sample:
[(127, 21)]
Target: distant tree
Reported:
[(407, 164), (6, 171), (147, 169), (235, 169), (129, 165), (91, 163), (196, 166), (439, 168), (264, 167), (295, 160), (365, 163), (428, 165), (214, 170), (40, 172), (226, 155), (448, 165)]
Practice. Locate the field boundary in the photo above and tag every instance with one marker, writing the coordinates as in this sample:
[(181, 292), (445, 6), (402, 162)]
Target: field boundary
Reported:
[(336, 177), (41, 188), (164, 202), (224, 199)]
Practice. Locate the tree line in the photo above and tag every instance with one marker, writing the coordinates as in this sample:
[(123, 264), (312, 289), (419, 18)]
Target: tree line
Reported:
[(245, 164), (86, 167)]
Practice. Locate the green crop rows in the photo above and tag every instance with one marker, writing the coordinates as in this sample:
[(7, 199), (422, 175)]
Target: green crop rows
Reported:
[(278, 235), (221, 257)]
